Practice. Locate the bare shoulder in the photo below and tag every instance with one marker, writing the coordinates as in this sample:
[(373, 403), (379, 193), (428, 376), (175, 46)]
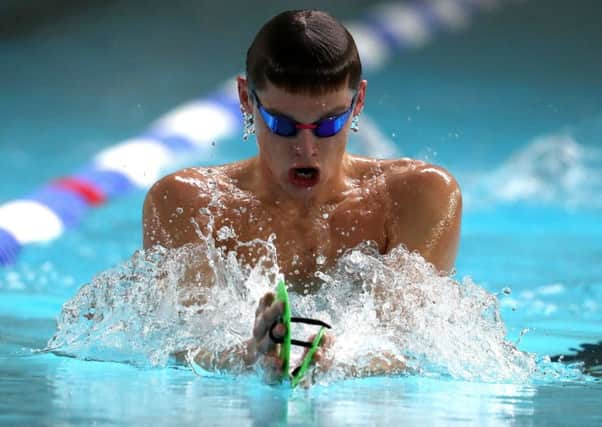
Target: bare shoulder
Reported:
[(419, 180), (173, 207), (196, 186), (425, 208), (179, 189)]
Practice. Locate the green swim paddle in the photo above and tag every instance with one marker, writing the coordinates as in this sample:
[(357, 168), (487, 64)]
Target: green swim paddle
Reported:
[(285, 343)]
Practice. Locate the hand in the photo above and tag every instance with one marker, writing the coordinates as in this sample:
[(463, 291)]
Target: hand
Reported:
[(387, 363), (322, 361), (261, 347)]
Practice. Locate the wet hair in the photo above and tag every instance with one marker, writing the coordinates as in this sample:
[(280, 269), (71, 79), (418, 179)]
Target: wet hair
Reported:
[(303, 51)]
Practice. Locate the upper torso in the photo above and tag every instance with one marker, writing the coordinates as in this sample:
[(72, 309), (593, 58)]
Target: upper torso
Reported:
[(307, 238)]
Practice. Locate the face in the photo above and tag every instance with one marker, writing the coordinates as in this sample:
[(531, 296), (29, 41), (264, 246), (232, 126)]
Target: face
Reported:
[(304, 165)]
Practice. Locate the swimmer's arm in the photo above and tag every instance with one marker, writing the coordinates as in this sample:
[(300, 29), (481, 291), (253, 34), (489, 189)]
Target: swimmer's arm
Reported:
[(261, 349), (237, 359), (425, 214), (171, 218), (171, 213), (242, 358), (369, 365), (383, 364)]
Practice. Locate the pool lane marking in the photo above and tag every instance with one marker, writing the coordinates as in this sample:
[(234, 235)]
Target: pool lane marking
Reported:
[(29, 221), (140, 160), (92, 194), (110, 183), (9, 247), (68, 206), (201, 123)]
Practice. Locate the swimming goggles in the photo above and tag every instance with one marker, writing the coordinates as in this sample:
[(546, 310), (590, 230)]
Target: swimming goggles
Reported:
[(284, 126), (285, 342)]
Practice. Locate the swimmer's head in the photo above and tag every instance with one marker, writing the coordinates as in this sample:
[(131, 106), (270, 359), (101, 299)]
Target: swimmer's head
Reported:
[(302, 89), (303, 51)]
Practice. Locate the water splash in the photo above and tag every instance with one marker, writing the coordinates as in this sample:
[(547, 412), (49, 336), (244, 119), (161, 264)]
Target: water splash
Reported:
[(398, 304), (153, 306), (554, 169)]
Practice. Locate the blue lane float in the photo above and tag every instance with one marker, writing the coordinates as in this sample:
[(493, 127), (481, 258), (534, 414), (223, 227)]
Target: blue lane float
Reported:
[(196, 126), (111, 184), (9, 248), (69, 206)]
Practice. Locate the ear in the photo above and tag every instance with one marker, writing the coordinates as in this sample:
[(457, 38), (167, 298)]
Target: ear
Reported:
[(243, 94), (361, 97)]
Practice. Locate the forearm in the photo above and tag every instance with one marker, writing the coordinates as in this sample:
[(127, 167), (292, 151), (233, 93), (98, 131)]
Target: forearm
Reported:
[(382, 364), (236, 359), (363, 366)]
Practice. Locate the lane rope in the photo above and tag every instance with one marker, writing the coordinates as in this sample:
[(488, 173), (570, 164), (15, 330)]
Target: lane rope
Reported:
[(386, 30)]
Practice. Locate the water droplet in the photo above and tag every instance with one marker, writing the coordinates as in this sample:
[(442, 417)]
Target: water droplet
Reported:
[(179, 211), (325, 216), (320, 260), (225, 233)]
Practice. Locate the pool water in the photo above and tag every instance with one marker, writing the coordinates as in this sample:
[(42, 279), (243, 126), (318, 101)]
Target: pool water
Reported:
[(510, 106)]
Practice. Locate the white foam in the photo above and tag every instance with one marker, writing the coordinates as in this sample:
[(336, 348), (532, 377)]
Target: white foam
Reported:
[(527, 294), (554, 289), (551, 169)]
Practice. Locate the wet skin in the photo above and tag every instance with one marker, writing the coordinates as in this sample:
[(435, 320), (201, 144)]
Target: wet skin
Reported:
[(315, 197)]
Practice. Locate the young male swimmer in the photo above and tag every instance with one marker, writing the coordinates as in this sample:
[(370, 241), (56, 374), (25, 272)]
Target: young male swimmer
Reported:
[(302, 94)]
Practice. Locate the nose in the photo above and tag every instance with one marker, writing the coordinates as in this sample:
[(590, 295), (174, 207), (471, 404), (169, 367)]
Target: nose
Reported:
[(306, 144)]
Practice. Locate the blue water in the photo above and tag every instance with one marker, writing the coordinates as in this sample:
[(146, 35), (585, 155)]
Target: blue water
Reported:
[(510, 106)]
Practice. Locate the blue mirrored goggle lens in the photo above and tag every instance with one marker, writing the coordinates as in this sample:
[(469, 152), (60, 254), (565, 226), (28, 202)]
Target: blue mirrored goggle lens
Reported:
[(283, 126), (278, 125), (332, 126)]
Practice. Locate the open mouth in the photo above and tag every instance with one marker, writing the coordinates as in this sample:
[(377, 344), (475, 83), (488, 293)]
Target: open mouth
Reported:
[(304, 177)]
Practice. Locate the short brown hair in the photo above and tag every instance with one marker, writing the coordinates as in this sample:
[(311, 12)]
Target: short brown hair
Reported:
[(303, 51)]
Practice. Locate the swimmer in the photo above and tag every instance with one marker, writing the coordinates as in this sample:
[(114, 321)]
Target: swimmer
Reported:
[(301, 96)]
